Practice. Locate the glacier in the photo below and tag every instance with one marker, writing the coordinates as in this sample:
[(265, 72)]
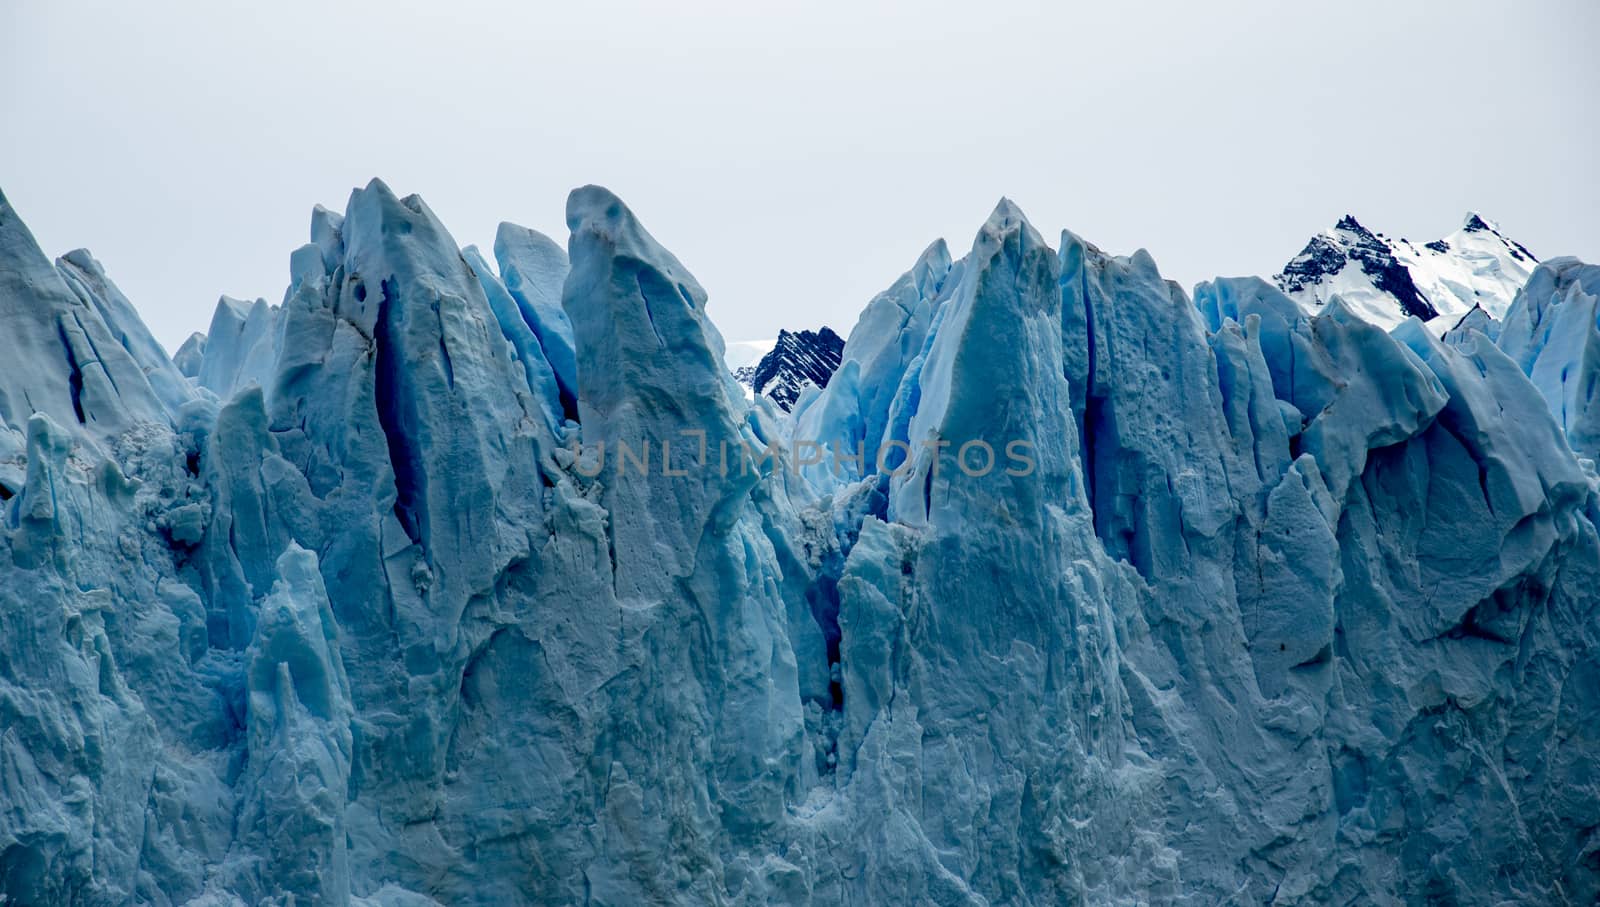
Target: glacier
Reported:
[(428, 586)]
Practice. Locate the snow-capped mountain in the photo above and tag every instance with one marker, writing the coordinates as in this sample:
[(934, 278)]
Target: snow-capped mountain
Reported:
[(1386, 280), (466, 578), (797, 360)]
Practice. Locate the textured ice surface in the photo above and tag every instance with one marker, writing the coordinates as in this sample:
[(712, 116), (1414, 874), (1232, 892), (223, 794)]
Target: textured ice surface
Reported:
[(1553, 333), (1287, 609)]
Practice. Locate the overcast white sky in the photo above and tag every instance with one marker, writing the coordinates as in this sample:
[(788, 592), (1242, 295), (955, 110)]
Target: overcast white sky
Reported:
[(795, 156)]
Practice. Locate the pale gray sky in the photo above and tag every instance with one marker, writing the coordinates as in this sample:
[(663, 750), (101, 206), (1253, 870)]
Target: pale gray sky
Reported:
[(795, 156)]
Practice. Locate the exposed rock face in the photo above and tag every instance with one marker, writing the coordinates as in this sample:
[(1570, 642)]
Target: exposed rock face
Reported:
[(454, 581), (797, 360)]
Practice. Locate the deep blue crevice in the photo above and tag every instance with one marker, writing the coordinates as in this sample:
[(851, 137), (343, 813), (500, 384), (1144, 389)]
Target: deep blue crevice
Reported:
[(569, 401), (1089, 439), (823, 597), (444, 357), (74, 375), (927, 487), (1093, 402), (397, 415)]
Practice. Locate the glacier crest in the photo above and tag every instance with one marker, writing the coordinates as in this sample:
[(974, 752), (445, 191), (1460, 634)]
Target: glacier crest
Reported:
[(428, 585)]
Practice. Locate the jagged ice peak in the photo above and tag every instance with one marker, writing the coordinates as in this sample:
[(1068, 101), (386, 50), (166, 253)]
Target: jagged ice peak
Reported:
[(475, 577)]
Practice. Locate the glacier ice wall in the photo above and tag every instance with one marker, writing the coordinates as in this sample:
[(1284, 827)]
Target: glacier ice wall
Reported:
[(425, 587), (1553, 332)]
